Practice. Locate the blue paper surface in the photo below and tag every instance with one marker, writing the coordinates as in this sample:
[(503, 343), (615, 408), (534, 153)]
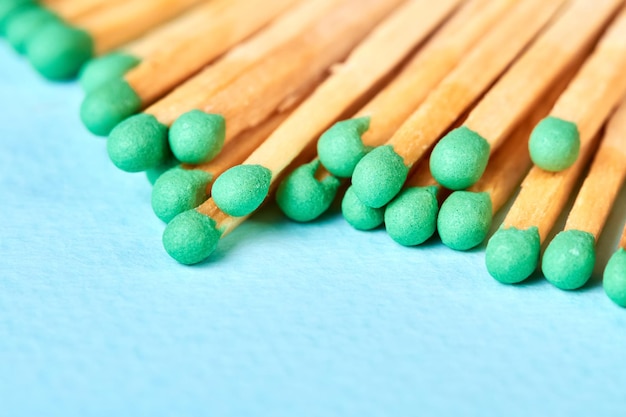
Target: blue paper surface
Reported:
[(285, 319)]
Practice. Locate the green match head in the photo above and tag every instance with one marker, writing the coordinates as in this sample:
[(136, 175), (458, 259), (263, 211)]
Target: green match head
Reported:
[(197, 137), (340, 148), (410, 219), (569, 259), (379, 176), (464, 219), (191, 237), (108, 105), (360, 216), (554, 144), (105, 68), (8, 7), (179, 190), (139, 143), (241, 189), (153, 174), (302, 197), (24, 23), (58, 51), (512, 254), (614, 281), (459, 159)]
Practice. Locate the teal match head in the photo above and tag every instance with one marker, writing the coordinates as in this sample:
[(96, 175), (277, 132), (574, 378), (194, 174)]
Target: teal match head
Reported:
[(24, 23), (512, 254), (241, 189), (139, 143), (191, 237), (554, 144), (105, 68), (179, 190), (58, 51), (302, 197), (8, 7), (358, 215), (340, 148), (459, 159), (464, 219), (379, 176), (569, 259), (109, 105), (411, 218), (153, 174), (614, 281), (197, 137)]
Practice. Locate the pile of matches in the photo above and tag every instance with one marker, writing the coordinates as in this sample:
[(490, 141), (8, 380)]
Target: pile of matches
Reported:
[(434, 111)]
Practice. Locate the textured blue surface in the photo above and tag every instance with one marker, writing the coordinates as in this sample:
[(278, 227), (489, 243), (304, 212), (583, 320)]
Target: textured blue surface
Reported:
[(286, 319)]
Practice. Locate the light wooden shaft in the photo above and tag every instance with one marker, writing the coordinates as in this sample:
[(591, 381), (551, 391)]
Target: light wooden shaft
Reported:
[(603, 182), (622, 241), (523, 85), (74, 11), (218, 75), (471, 78), (392, 40), (227, 23), (422, 176)]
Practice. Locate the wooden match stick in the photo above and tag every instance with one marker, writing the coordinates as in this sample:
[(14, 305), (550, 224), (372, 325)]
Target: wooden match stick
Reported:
[(569, 259), (193, 40), (289, 68), (380, 174), (614, 281), (460, 157), (240, 190), (341, 147)]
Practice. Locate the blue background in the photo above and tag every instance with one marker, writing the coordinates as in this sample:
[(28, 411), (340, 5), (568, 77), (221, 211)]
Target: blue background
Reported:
[(285, 320)]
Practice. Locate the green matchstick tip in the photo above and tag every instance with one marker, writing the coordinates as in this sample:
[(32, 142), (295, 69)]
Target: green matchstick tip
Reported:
[(464, 219), (379, 176), (197, 137), (340, 148), (358, 215), (139, 143), (569, 259), (241, 189), (512, 255), (410, 219), (554, 144), (459, 159), (8, 7), (179, 190), (302, 197), (614, 281), (191, 237), (105, 68), (24, 23), (153, 174), (109, 105)]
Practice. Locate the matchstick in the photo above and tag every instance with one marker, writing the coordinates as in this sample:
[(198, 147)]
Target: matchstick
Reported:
[(286, 71), (569, 259), (58, 50), (193, 41), (380, 174), (614, 281), (240, 190), (460, 157), (310, 189)]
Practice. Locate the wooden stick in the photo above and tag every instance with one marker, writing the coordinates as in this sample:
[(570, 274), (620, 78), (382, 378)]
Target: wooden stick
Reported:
[(73, 11), (622, 241), (211, 30)]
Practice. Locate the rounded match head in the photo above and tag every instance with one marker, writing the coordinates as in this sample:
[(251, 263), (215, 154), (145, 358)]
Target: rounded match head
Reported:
[(614, 281), (459, 159), (24, 23), (8, 7), (179, 190), (197, 137), (512, 254), (569, 259), (358, 215), (58, 51), (554, 144), (464, 219), (379, 176), (340, 148), (105, 68), (241, 189), (108, 105), (153, 174), (138, 144), (191, 237), (411, 218), (302, 197)]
